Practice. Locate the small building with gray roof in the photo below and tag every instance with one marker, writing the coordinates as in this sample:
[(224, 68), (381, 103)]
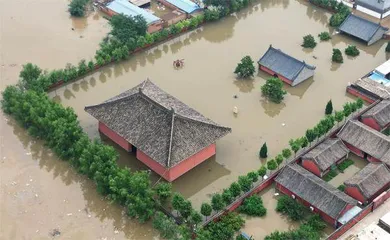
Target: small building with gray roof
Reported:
[(379, 6), (368, 183), (334, 206), (378, 117), (327, 154), (166, 135), (362, 29), (288, 69)]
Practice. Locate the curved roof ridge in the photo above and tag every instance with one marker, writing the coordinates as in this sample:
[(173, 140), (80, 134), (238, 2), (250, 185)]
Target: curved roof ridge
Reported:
[(171, 138), (200, 121)]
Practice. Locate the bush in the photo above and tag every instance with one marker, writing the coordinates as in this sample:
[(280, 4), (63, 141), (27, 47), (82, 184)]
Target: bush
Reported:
[(344, 165), (228, 225), (337, 56), (352, 50), (211, 15), (163, 191), (291, 208), (330, 175), (309, 41), (245, 68), (77, 7), (253, 206), (341, 187), (324, 36), (273, 90)]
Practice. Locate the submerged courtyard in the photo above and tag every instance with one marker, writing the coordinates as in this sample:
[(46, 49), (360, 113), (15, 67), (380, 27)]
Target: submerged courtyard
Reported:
[(207, 84)]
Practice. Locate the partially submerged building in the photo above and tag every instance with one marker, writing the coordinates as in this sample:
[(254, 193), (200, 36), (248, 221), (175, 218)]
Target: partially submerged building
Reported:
[(125, 7), (369, 90), (378, 117), (365, 141), (363, 29), (381, 7), (141, 3), (165, 134), (187, 6), (368, 183), (288, 69), (334, 206), (326, 155)]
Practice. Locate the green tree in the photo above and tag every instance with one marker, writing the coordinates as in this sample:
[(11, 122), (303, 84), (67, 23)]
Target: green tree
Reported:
[(329, 108), (279, 159), (245, 68), (295, 145), (324, 36), (286, 153), (272, 165), (29, 75), (141, 41), (82, 68), (253, 206), (310, 135), (205, 209), (245, 183), (254, 176), (227, 196), (347, 110), (339, 116), (388, 47), (226, 228), (126, 28), (352, 50), (91, 65), (167, 228), (304, 142), (235, 189), (177, 201), (196, 218), (77, 7), (263, 151), (359, 103), (337, 56), (163, 191), (292, 208), (262, 171), (217, 202), (273, 90), (309, 41)]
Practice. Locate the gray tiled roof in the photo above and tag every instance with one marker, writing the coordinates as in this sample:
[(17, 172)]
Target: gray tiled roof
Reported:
[(379, 6), (327, 153), (370, 179), (365, 138), (360, 28), (380, 112), (158, 124), (283, 64), (314, 190)]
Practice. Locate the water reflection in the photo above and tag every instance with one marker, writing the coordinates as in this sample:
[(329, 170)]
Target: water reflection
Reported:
[(273, 3), (245, 85), (270, 108), (371, 50), (300, 89)]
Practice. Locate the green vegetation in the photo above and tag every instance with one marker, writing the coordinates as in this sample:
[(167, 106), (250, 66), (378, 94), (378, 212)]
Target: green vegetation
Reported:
[(225, 229), (292, 208), (329, 108), (337, 56), (388, 47), (309, 41), (217, 202), (310, 230), (263, 151), (344, 165), (273, 90), (166, 226), (253, 206), (324, 36), (245, 183), (206, 209), (352, 50), (341, 10), (387, 132), (341, 187), (272, 165), (245, 68), (163, 191), (77, 7), (330, 175), (262, 171)]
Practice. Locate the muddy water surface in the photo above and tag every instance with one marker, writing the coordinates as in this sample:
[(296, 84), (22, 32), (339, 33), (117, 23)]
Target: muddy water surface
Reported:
[(41, 31)]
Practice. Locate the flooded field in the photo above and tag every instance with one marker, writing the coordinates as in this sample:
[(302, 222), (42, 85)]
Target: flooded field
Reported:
[(40, 31), (358, 164)]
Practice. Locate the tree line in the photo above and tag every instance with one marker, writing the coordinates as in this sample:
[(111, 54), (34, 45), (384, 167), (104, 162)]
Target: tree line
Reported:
[(340, 9)]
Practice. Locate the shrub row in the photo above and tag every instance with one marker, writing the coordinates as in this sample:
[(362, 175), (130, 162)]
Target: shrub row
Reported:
[(330, 175), (342, 11), (344, 165)]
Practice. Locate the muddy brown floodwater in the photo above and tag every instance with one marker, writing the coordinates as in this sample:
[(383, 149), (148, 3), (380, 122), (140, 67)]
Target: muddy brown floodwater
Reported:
[(40, 31)]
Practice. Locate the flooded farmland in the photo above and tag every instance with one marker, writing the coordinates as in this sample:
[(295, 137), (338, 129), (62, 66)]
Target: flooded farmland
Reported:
[(40, 31)]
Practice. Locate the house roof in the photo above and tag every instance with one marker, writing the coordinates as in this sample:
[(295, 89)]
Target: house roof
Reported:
[(187, 6), (360, 28), (380, 112), (370, 179), (314, 190), (365, 138), (379, 6), (327, 153), (157, 123), (283, 64), (129, 9), (373, 87)]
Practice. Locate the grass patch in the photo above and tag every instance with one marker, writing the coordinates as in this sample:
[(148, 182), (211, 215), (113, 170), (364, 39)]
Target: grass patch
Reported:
[(344, 165), (387, 132), (253, 206), (341, 187), (330, 175), (292, 208)]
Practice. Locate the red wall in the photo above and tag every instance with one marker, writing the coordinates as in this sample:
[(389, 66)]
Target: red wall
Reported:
[(114, 137), (354, 150), (358, 94), (269, 71), (311, 166), (371, 123), (372, 159), (323, 215), (355, 193), (381, 199), (179, 169)]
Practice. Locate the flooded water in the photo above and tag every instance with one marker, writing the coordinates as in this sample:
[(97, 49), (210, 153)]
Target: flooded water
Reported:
[(40, 31), (358, 164)]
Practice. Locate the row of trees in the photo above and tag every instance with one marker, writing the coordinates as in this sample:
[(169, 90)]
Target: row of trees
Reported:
[(341, 10)]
